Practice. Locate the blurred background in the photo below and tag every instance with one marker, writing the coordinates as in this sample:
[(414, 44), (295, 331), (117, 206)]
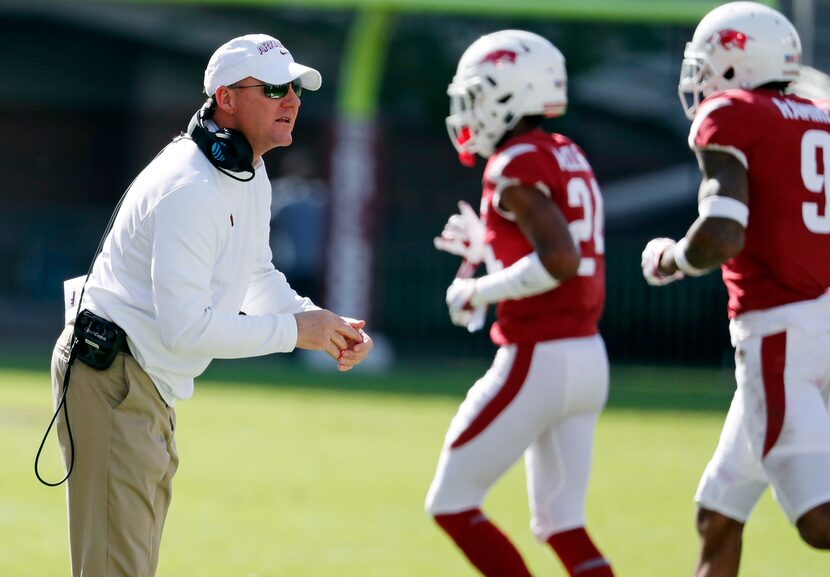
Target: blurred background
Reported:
[(93, 90), (287, 471)]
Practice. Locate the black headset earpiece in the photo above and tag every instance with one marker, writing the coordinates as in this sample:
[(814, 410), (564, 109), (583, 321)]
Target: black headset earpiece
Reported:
[(226, 149)]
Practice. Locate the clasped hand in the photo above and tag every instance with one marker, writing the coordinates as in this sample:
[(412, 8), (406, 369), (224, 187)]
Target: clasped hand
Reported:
[(341, 338)]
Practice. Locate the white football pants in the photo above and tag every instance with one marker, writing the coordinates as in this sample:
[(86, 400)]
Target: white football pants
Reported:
[(542, 400), (777, 431)]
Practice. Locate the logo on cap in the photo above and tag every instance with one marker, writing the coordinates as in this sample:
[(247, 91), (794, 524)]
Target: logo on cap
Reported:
[(499, 57), (268, 45), (730, 39)]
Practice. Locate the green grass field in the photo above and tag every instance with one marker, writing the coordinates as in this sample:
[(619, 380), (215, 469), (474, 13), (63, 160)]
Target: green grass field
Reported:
[(324, 475)]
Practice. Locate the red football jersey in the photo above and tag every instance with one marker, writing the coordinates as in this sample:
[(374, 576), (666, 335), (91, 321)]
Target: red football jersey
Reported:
[(784, 143), (556, 166)]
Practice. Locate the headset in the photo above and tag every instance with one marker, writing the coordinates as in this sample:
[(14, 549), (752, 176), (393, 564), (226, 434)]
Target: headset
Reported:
[(226, 149)]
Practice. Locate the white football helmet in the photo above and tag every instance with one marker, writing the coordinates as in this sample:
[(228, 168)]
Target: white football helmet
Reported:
[(738, 45), (500, 78)]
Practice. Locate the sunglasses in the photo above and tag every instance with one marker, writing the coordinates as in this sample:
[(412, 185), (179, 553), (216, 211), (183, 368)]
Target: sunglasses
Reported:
[(276, 90)]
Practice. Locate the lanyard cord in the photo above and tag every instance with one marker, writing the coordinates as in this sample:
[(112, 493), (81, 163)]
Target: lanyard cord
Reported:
[(73, 353)]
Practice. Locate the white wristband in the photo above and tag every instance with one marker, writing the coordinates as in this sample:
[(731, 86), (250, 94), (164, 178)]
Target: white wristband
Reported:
[(525, 277), (724, 207), (679, 254)]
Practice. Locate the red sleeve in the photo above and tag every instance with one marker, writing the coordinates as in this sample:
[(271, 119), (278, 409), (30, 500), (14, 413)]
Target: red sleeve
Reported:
[(726, 124), (524, 164)]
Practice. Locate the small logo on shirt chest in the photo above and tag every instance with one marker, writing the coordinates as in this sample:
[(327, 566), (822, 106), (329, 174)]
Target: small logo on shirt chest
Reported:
[(231, 221)]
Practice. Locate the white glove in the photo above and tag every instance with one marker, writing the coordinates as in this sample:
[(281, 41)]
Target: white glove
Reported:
[(463, 235), (462, 313), (651, 262)]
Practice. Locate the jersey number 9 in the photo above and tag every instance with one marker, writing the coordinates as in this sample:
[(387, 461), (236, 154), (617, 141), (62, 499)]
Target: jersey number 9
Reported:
[(813, 142)]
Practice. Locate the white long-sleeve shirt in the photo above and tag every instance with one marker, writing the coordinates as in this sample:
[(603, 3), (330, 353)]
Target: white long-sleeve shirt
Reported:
[(188, 251)]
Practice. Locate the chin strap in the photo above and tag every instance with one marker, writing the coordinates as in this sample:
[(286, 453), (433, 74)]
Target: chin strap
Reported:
[(467, 159)]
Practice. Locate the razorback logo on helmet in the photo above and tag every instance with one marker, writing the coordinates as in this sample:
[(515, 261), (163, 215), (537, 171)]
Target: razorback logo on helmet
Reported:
[(730, 39), (499, 57)]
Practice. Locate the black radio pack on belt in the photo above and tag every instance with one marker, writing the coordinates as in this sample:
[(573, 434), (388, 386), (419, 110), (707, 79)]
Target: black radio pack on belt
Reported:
[(98, 340)]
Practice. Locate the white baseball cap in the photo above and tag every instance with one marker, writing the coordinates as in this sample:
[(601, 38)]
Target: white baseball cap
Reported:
[(259, 56)]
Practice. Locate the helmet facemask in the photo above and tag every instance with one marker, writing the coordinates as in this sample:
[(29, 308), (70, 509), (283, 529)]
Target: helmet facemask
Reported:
[(486, 108), (697, 81), (462, 125)]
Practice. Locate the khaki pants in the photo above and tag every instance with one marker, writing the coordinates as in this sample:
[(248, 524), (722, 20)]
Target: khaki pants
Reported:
[(125, 459)]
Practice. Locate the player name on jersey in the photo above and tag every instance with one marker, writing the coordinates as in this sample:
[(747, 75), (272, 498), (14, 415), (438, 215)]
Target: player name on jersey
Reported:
[(801, 111), (570, 159)]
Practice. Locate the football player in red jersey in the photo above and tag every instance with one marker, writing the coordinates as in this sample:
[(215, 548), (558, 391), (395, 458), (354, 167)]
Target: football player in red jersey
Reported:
[(541, 237), (765, 219)]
